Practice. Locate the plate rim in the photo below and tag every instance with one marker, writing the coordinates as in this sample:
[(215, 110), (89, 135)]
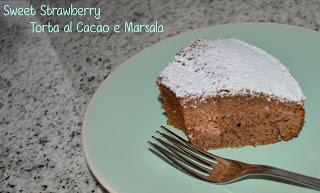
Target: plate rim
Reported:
[(84, 144)]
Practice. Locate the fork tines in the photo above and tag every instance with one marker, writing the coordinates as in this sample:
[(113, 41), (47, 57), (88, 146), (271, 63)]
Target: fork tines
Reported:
[(182, 155)]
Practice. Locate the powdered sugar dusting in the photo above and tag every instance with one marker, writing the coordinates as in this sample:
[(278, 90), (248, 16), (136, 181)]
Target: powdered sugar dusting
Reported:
[(212, 67)]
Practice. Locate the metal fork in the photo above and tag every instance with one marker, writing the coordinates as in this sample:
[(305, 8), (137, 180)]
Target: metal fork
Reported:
[(205, 166)]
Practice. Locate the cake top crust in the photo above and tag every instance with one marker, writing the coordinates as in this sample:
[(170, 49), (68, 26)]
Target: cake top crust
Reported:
[(211, 67)]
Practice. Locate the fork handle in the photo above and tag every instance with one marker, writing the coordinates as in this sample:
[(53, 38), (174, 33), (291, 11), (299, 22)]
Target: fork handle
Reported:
[(291, 176)]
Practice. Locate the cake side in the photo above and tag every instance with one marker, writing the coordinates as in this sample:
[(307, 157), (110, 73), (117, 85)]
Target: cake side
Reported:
[(233, 121), (172, 106)]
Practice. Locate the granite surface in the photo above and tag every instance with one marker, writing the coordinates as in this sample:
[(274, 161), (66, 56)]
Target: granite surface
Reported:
[(47, 80)]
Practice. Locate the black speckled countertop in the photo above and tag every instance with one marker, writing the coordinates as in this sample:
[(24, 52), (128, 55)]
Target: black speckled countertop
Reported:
[(47, 79)]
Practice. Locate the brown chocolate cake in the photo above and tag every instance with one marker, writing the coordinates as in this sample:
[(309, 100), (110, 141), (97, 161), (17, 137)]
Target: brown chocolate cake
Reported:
[(227, 93)]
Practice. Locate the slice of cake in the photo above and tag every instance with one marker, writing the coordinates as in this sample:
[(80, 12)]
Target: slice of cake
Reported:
[(227, 93)]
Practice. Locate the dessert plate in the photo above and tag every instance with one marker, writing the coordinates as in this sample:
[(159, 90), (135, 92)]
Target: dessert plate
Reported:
[(125, 112)]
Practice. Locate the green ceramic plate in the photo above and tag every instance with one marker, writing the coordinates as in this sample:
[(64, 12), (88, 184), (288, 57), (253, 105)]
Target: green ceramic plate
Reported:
[(125, 112)]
